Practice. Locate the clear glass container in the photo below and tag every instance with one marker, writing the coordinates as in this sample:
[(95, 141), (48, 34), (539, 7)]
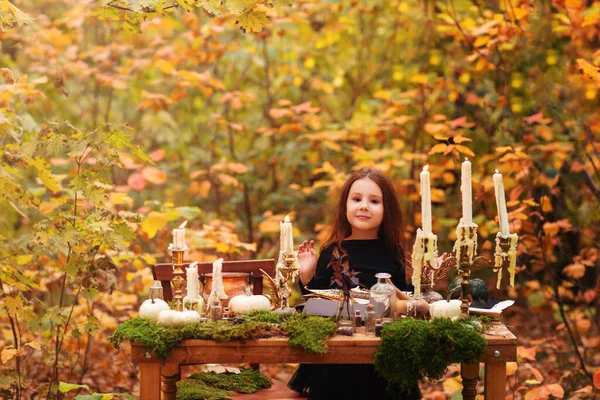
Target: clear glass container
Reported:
[(345, 327), (429, 295), (370, 318), (216, 311), (383, 296), (156, 291)]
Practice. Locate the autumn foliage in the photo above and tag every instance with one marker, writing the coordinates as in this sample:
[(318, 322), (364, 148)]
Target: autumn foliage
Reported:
[(118, 122)]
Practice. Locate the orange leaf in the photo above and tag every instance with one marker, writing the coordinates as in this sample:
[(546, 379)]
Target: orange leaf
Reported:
[(511, 368), (575, 271), (597, 379), (464, 150), (551, 229), (556, 390), (136, 182), (279, 112), (435, 128), (157, 155), (537, 118), (154, 175), (438, 148), (527, 353)]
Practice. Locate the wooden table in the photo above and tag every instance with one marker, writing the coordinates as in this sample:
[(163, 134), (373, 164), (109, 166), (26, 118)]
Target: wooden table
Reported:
[(357, 349)]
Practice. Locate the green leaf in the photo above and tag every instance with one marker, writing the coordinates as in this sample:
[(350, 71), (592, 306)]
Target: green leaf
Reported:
[(89, 397), (253, 21), (65, 387), (189, 213)]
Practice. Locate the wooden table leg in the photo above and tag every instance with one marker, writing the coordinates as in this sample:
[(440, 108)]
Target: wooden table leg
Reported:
[(170, 376), (469, 374), (495, 380), (149, 381)]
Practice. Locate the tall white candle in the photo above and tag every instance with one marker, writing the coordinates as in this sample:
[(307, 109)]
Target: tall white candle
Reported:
[(501, 203), (465, 187), (425, 201), (192, 281), (286, 240), (179, 237)]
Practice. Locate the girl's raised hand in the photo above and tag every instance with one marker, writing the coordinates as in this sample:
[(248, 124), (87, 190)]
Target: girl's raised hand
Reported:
[(307, 258)]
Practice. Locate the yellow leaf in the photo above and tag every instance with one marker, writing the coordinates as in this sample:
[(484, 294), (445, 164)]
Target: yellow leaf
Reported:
[(511, 368), (452, 385), (464, 150), (332, 145), (419, 78), (503, 149), (253, 21), (166, 67), (13, 305), (449, 177), (481, 41), (153, 223), (238, 168), (588, 70), (573, 3), (8, 353), (34, 345), (154, 175), (545, 132), (269, 226), (22, 260), (460, 139), (382, 94), (121, 198), (438, 148), (437, 195)]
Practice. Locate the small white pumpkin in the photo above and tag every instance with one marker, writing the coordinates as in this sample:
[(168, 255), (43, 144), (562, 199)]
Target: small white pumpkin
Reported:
[(152, 307), (243, 304), (177, 319), (444, 308)]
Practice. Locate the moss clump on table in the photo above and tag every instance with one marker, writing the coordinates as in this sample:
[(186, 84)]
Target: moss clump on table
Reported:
[(209, 385), (306, 331), (411, 349)]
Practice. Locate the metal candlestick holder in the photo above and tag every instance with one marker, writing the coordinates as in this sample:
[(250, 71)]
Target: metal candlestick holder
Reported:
[(286, 270), (178, 279), (468, 262)]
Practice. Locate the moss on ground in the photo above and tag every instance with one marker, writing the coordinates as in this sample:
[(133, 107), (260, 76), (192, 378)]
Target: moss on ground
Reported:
[(247, 381)]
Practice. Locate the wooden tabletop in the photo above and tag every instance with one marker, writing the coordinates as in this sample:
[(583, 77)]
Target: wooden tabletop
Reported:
[(356, 349)]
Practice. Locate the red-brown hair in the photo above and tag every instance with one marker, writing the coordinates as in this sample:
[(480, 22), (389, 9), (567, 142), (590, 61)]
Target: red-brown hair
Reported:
[(392, 226)]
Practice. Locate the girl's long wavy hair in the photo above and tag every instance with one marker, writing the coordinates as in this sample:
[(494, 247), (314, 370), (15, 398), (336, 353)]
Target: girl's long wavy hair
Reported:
[(392, 226)]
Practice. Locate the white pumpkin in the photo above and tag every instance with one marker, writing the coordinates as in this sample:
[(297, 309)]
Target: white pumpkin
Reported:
[(243, 304), (152, 307), (177, 319), (444, 308)]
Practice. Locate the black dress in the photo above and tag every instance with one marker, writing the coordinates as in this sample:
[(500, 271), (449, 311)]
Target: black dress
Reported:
[(352, 381)]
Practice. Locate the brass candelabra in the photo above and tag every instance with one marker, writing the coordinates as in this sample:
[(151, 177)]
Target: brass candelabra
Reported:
[(178, 279), (468, 261), (285, 271)]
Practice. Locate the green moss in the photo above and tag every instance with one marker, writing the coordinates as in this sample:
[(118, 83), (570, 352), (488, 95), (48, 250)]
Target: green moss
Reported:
[(247, 381), (190, 389), (412, 349), (309, 332)]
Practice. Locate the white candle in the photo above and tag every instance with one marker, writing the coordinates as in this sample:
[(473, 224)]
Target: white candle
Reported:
[(192, 281), (217, 280), (179, 237), (465, 187), (425, 201), (501, 203), (286, 239)]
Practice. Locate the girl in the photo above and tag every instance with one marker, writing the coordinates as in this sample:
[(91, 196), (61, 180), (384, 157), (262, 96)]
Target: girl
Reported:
[(366, 237)]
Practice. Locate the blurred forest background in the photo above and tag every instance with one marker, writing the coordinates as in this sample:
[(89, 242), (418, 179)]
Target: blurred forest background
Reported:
[(121, 119)]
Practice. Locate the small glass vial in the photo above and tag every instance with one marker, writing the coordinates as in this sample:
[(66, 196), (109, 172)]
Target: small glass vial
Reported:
[(226, 314), (345, 327), (203, 317), (383, 296), (216, 311), (378, 327), (156, 291), (370, 320), (357, 320)]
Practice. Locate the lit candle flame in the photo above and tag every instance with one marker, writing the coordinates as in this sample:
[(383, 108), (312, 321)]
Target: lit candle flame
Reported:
[(466, 158), (496, 171), (182, 225), (287, 218), (425, 168)]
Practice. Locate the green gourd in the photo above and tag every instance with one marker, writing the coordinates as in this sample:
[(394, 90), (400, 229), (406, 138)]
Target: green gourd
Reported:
[(478, 289)]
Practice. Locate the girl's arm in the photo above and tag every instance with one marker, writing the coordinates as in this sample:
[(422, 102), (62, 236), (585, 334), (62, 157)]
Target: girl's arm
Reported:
[(412, 308), (307, 258)]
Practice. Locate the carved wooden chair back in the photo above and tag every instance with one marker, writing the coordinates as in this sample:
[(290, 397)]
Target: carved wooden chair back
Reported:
[(163, 272)]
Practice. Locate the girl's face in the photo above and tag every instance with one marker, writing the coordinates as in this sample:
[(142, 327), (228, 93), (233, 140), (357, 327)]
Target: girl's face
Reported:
[(364, 209)]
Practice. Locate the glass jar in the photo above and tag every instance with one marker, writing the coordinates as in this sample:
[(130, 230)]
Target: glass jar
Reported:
[(345, 327), (370, 318), (383, 296), (156, 291), (216, 311)]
